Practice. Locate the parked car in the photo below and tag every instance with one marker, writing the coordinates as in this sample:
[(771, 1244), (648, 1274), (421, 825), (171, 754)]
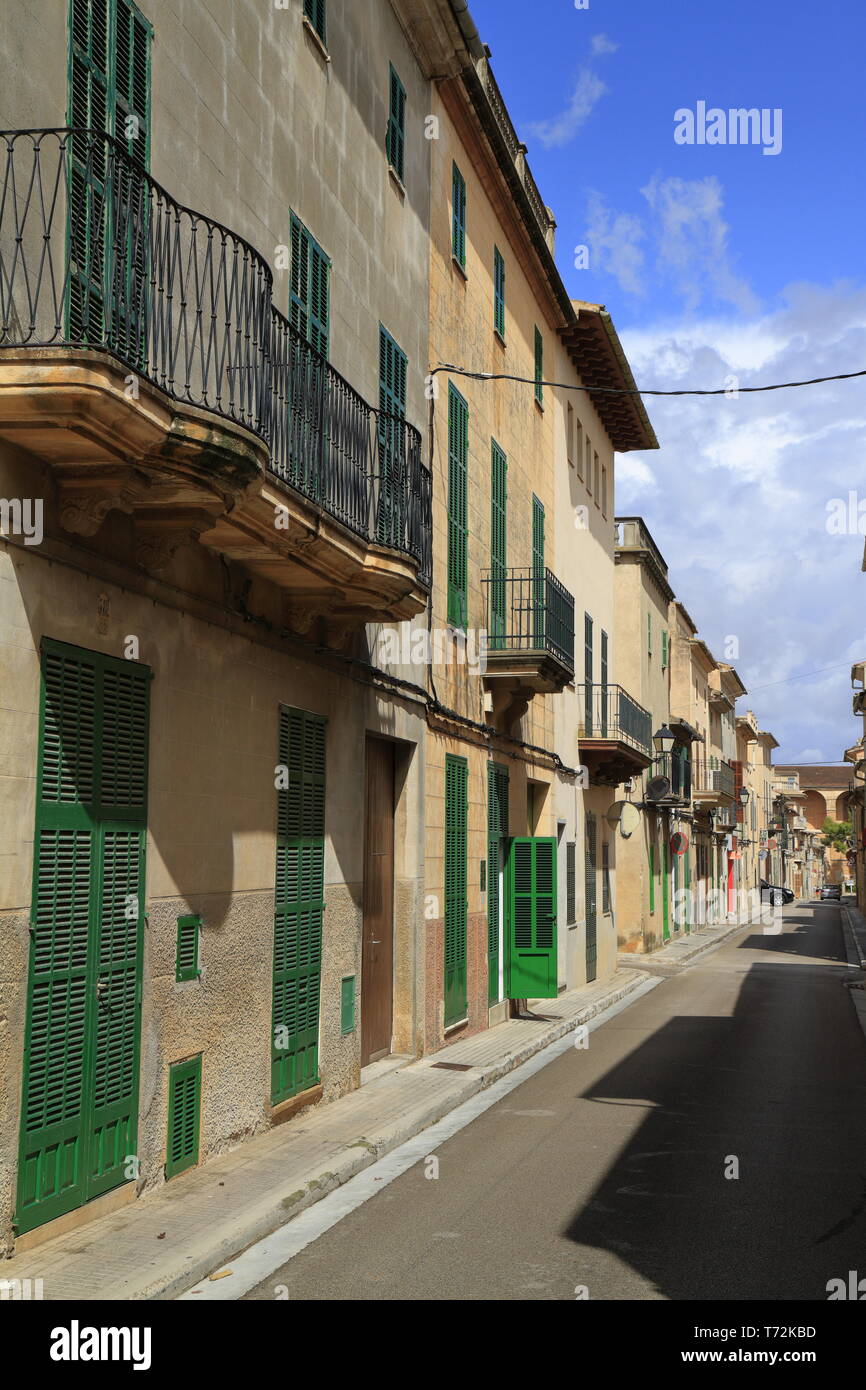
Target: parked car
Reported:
[(831, 890), (775, 894)]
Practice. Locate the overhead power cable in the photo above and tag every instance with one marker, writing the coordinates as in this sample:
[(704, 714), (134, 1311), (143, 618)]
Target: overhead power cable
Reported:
[(639, 391)]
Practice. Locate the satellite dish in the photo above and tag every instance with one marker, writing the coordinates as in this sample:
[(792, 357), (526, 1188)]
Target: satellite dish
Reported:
[(626, 815), (658, 788)]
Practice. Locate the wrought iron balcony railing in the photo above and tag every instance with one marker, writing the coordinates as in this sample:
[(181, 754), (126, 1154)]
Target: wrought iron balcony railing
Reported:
[(94, 254), (609, 712), (714, 775), (529, 610)]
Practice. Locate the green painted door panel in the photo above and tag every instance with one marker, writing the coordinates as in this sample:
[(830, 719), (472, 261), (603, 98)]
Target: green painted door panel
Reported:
[(456, 900), (530, 967)]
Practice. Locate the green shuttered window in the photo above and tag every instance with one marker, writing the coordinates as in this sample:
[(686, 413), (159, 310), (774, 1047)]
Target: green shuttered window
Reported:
[(186, 958), (498, 543), (497, 834), (315, 12), (532, 896), (458, 458), (570, 883), (395, 143), (458, 217), (393, 365), (498, 292), (347, 1004), (310, 292), (80, 1082), (184, 1112), (456, 900), (298, 903), (538, 573), (539, 366), (590, 890)]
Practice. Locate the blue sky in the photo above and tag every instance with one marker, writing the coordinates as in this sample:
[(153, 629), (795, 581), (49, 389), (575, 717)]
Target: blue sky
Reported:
[(719, 261)]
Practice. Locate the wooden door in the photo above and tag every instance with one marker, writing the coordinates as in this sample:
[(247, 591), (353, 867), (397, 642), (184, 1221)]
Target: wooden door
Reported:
[(377, 956)]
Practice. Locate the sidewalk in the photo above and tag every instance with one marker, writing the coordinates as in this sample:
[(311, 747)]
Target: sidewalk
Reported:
[(163, 1244)]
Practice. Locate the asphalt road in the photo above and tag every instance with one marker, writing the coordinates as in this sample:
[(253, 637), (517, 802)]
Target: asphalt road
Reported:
[(608, 1168)]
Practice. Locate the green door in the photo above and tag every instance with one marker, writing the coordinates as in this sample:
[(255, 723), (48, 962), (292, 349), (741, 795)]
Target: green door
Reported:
[(590, 890), (497, 832), (456, 904), (531, 919), (666, 883), (299, 901), (80, 1093), (538, 575), (498, 547)]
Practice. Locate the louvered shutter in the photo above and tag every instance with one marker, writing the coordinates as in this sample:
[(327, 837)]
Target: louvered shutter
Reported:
[(498, 545), (298, 904), (588, 699), (79, 1111), (531, 961), (396, 136), (456, 902), (184, 1110), (570, 883), (131, 212), (393, 482), (458, 214), (498, 292), (458, 450), (497, 832), (310, 293), (315, 12), (539, 367), (90, 112), (539, 607), (590, 890)]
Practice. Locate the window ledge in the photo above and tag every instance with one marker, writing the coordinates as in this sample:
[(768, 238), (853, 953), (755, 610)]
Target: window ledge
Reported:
[(397, 181), (500, 338), (323, 52), (538, 404), (457, 266)]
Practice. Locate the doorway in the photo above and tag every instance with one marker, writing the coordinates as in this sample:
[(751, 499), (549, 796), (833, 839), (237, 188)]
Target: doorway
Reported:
[(377, 952)]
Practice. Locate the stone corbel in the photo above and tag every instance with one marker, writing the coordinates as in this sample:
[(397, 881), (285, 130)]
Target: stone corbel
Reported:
[(85, 501)]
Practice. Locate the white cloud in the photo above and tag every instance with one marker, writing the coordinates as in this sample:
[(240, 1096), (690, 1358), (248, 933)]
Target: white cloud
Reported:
[(614, 240), (692, 241), (602, 44), (559, 130), (737, 499)]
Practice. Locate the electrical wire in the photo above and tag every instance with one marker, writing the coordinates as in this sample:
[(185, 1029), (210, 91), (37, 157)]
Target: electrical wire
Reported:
[(638, 391)]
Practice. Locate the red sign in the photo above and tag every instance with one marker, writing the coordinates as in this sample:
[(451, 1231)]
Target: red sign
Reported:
[(679, 842)]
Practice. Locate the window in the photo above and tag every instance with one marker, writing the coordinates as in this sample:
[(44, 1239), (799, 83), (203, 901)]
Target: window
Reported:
[(589, 465), (392, 411), (570, 883), (578, 447), (596, 482), (538, 572), (605, 877), (498, 292), (569, 433), (603, 684), (186, 956), (665, 649), (498, 543), (649, 634), (539, 366), (310, 290), (184, 1106), (587, 675), (458, 217), (315, 12), (458, 450), (604, 490), (395, 142)]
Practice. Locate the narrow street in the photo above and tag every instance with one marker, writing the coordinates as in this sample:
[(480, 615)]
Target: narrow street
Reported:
[(607, 1169)]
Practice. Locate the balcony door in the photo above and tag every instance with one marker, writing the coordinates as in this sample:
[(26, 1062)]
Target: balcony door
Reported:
[(590, 895)]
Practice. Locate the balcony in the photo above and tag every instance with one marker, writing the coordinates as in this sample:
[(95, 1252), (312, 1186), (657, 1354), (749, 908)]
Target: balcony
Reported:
[(615, 734), (530, 637), (141, 355), (713, 782), (677, 773)]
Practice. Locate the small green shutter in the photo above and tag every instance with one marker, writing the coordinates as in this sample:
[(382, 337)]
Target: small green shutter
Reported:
[(498, 544), (652, 878), (587, 675), (310, 292), (186, 956), (590, 890), (347, 1004), (315, 12), (602, 672), (299, 904), (458, 452), (530, 971), (184, 1112), (393, 492), (498, 292), (456, 901), (497, 832), (570, 883), (458, 216), (539, 366), (395, 143)]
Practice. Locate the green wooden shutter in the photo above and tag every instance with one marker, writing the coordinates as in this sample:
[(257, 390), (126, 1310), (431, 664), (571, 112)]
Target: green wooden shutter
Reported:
[(347, 1004), (498, 292), (298, 904), (538, 574), (498, 545), (497, 832), (393, 490), (131, 214), (310, 289), (652, 878), (602, 671), (184, 1116), (590, 891), (80, 1089), (395, 143), (539, 366), (458, 453), (458, 216), (531, 960), (315, 12), (587, 676), (456, 900), (90, 108), (186, 950), (570, 883)]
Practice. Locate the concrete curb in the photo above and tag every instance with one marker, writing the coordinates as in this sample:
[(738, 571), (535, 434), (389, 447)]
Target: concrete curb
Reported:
[(277, 1211)]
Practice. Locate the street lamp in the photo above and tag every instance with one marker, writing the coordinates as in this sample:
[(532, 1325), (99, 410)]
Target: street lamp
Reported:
[(744, 796), (664, 740)]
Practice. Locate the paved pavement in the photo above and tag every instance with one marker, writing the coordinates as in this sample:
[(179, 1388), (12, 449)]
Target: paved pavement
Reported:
[(608, 1168)]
